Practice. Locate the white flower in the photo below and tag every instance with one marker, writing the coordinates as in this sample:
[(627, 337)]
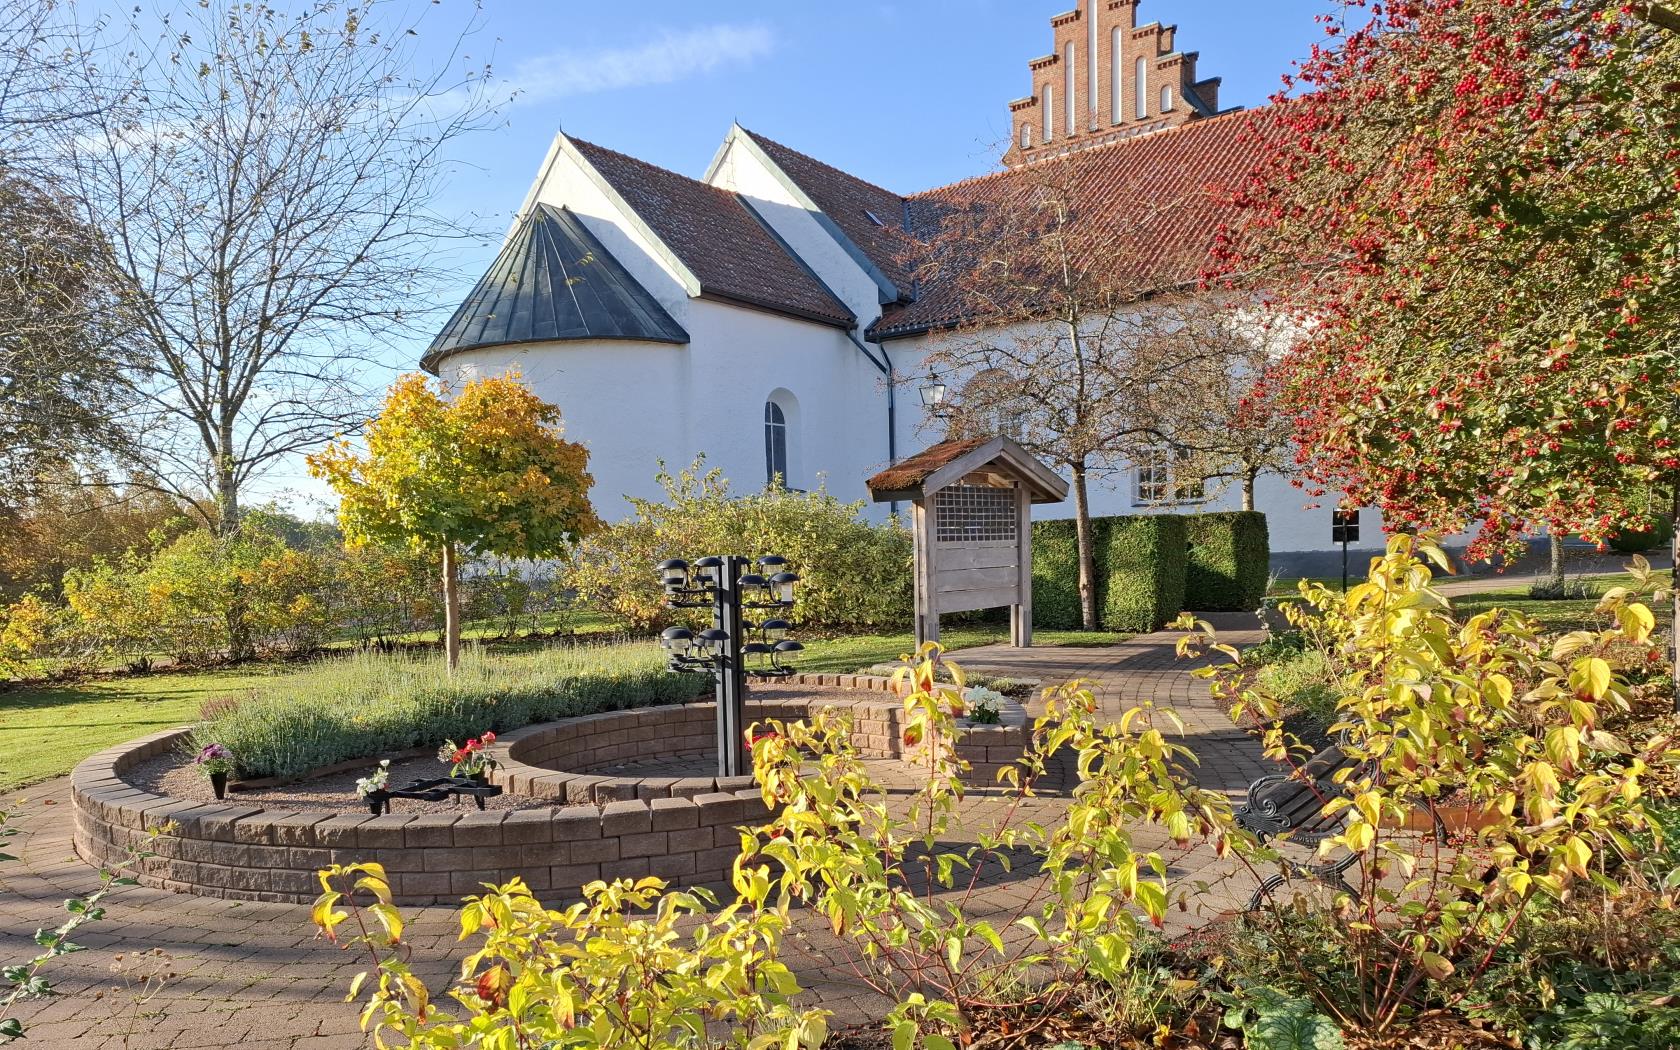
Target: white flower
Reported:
[(369, 784)]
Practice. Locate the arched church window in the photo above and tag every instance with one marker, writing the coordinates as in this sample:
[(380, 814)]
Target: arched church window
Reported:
[(783, 465), (1166, 99), (1026, 135), (1141, 89), (1049, 113), (775, 445)]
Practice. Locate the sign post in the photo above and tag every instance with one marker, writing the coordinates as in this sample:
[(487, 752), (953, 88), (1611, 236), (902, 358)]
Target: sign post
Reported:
[(1344, 529)]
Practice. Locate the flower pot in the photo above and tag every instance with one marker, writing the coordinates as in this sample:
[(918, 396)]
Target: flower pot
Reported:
[(218, 784)]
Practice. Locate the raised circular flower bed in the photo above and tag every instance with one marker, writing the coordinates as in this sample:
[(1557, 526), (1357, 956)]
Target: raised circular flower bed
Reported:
[(581, 824)]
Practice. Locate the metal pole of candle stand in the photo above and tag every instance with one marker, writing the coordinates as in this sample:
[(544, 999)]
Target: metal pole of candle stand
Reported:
[(731, 671)]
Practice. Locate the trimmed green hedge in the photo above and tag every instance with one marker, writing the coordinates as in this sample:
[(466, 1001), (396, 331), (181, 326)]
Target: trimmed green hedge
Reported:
[(1055, 573), (1140, 572), (1143, 569), (1229, 558)]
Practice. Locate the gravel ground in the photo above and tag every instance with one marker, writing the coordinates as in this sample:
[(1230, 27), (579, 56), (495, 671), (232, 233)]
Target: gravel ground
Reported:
[(176, 777)]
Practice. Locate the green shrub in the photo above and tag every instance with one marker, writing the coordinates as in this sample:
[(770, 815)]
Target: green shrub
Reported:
[(1143, 569), (1055, 575), (1658, 533), (368, 704), (1228, 561), (1304, 682), (853, 573)]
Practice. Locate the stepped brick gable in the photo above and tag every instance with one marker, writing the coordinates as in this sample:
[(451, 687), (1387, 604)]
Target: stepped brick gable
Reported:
[(1106, 77)]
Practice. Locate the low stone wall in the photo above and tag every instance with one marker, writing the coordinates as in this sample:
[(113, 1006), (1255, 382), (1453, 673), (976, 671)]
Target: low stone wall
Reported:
[(602, 827), (248, 853)]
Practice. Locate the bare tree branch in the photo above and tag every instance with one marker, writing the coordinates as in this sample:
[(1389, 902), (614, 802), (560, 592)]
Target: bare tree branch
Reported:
[(269, 179)]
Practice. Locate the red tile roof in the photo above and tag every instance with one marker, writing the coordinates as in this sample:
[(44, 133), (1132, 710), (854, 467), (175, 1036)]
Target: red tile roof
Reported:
[(850, 201), (1162, 198), (733, 255)]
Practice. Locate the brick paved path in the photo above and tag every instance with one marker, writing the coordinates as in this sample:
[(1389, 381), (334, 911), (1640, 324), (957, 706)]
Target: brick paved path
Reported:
[(254, 976)]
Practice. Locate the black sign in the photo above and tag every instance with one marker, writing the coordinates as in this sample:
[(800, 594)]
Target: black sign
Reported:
[(1344, 526)]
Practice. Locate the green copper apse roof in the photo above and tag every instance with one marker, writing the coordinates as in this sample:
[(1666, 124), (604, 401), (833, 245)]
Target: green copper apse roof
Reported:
[(553, 281)]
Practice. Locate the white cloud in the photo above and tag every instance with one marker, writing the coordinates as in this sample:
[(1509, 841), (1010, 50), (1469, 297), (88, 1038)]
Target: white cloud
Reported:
[(670, 57)]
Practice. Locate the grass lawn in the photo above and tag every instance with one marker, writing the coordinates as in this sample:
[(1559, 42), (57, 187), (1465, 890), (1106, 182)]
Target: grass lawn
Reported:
[(1563, 614), (49, 728)]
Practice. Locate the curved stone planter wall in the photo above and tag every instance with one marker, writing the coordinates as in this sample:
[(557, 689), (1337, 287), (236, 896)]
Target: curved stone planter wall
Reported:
[(683, 830), (248, 853)]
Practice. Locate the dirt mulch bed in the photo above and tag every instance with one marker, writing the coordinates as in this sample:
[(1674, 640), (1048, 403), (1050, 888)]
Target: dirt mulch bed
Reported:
[(176, 777)]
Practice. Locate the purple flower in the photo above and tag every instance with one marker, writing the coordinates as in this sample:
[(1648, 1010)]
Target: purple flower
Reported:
[(212, 753)]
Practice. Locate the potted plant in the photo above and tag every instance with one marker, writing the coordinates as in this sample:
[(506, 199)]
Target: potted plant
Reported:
[(985, 706), (216, 762), (470, 760), (371, 788)]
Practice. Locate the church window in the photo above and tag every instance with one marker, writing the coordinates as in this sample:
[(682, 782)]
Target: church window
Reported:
[(775, 445), (1166, 99), (1166, 476), (1070, 123), (1140, 91), (1117, 107), (1049, 113), (1026, 135)]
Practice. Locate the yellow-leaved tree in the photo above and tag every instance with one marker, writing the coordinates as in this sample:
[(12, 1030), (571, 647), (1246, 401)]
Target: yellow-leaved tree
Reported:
[(484, 472)]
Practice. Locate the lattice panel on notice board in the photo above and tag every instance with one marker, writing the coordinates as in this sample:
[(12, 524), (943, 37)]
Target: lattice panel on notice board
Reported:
[(974, 513)]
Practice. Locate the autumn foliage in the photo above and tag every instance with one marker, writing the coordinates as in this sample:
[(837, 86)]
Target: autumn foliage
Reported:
[(1470, 212), (483, 472)]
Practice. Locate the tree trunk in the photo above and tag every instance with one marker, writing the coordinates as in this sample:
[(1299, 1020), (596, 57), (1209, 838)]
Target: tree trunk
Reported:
[(1554, 578), (227, 486), (1248, 489), (1674, 598), (451, 607), (1087, 551)]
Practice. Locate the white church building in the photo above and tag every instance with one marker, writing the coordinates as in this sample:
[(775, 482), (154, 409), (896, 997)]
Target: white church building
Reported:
[(766, 314)]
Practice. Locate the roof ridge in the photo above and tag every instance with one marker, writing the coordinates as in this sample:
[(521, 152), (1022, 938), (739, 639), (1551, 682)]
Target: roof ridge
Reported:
[(1203, 122), (650, 164), (817, 160)]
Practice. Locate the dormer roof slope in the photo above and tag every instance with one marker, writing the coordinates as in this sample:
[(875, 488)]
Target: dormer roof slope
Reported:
[(734, 257), (870, 216)]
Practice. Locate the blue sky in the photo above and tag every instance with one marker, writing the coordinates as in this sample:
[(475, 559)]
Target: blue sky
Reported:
[(909, 94)]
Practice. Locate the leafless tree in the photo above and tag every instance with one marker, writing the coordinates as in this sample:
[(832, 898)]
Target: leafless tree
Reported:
[(269, 180), (1073, 314), (64, 324), (1228, 424)]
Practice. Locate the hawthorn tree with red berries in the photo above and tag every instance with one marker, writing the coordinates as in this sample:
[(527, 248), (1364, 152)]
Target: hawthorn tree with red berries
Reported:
[(1470, 211)]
